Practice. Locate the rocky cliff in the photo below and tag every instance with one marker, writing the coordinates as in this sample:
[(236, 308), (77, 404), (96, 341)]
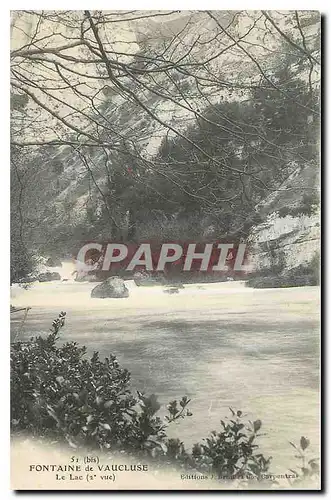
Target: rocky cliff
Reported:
[(63, 189), (289, 235)]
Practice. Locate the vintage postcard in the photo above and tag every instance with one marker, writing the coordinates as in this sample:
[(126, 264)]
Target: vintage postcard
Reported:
[(165, 250)]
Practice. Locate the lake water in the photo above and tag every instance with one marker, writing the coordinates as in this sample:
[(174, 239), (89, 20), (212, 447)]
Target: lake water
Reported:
[(221, 344)]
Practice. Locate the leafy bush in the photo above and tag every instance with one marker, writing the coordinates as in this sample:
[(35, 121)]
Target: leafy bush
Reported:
[(309, 469), (67, 397), (231, 452)]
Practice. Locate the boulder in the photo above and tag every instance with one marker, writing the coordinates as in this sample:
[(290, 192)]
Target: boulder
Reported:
[(146, 279), (91, 278), (113, 288), (49, 277), (174, 284), (282, 281), (171, 290)]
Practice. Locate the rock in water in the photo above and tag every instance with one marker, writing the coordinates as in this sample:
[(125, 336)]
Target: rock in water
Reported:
[(146, 279), (171, 290), (49, 277), (113, 288), (91, 278)]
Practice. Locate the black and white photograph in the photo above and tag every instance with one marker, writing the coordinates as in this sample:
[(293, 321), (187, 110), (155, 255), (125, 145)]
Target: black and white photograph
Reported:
[(165, 241)]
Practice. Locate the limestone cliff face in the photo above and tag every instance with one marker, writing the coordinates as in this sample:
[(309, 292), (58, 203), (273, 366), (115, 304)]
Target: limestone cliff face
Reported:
[(294, 239), (70, 190), (287, 240)]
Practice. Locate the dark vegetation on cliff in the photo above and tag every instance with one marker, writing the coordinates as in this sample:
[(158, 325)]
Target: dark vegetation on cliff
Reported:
[(204, 181), (276, 277)]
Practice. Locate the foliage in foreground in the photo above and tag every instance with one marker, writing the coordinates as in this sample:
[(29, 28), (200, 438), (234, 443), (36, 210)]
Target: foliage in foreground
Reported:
[(67, 397)]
